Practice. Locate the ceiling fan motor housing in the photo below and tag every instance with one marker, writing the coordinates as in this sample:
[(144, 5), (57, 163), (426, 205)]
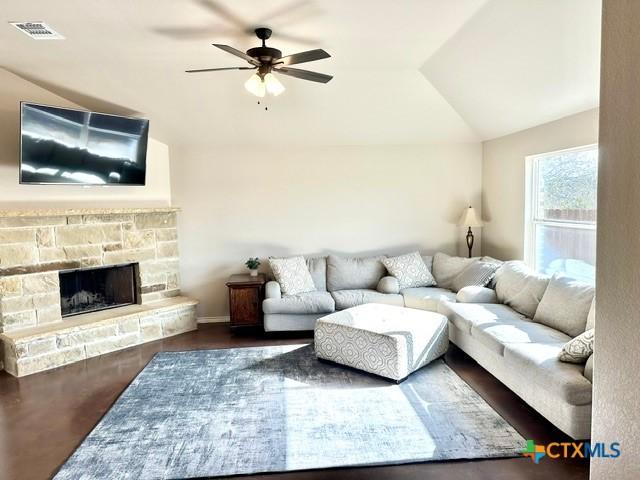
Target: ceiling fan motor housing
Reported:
[(266, 55)]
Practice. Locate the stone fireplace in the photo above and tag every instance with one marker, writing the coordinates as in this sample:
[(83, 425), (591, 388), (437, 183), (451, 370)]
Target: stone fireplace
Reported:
[(79, 283)]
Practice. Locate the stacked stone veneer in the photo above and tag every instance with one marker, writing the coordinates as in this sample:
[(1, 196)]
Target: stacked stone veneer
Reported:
[(35, 246)]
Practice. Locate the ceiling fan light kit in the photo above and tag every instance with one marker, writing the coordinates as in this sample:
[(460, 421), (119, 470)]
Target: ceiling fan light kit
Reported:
[(267, 60)]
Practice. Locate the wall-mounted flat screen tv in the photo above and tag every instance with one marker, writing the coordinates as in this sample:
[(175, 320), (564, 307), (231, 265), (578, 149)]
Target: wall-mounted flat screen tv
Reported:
[(66, 146)]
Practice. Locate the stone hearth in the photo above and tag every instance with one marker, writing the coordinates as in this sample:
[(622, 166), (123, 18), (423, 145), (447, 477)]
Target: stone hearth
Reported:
[(36, 245)]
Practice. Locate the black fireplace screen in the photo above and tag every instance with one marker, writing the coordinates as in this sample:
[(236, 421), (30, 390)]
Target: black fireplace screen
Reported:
[(92, 289)]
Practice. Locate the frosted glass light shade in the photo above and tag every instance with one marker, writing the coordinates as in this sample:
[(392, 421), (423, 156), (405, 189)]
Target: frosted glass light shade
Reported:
[(469, 218), (255, 85), (274, 87)]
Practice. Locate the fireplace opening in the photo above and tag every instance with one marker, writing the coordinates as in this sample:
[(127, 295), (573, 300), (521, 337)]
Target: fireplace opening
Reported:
[(92, 289)]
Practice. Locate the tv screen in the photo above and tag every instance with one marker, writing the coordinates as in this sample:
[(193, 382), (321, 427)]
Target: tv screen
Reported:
[(66, 146)]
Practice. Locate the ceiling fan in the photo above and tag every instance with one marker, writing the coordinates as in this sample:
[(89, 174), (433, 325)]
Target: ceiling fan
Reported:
[(267, 60)]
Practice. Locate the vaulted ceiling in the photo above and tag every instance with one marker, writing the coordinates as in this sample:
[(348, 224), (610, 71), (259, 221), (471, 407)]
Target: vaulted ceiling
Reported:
[(406, 72)]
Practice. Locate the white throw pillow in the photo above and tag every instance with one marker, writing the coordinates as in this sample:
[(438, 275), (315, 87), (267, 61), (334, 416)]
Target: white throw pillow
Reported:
[(410, 270), (446, 268), (579, 349), (474, 294), (520, 287), (565, 305), (292, 274), (478, 274)]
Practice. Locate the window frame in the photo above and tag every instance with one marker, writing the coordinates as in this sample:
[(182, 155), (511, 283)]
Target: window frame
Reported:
[(531, 220)]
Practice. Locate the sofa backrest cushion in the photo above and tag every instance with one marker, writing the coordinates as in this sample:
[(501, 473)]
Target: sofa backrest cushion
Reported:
[(428, 261), (446, 268), (520, 287), (565, 305), (351, 273), (318, 269)]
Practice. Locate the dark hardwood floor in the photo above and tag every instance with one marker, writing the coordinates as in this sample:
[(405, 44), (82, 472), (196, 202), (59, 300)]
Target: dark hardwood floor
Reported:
[(44, 417)]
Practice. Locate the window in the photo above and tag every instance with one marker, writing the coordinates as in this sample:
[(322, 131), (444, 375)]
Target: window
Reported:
[(560, 231)]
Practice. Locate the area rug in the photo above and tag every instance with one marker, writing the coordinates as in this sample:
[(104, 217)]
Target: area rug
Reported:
[(211, 413)]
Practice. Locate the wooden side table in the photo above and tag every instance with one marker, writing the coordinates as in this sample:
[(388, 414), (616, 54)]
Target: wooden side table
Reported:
[(245, 300)]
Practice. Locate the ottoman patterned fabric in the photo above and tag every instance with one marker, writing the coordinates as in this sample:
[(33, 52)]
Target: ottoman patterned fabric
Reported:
[(385, 340)]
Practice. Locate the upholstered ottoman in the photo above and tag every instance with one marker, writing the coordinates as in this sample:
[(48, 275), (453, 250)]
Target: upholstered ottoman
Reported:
[(386, 340)]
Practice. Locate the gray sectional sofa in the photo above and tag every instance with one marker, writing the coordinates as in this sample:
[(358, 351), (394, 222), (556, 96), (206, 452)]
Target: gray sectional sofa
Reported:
[(343, 282), (510, 329)]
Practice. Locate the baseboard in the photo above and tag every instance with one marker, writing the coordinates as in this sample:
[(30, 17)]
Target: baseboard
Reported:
[(222, 319)]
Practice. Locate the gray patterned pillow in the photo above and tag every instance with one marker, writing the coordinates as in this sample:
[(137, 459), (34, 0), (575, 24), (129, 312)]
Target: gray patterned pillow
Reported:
[(292, 274), (410, 270), (478, 274), (579, 349)]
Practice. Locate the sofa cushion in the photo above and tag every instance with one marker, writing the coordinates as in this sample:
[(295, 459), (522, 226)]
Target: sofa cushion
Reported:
[(426, 298), (514, 328), (353, 298), (520, 287), (350, 273), (410, 270), (318, 269), (446, 268), (388, 285), (292, 274), (579, 349), (478, 274), (303, 303), (476, 295), (465, 315), (539, 364), (565, 305)]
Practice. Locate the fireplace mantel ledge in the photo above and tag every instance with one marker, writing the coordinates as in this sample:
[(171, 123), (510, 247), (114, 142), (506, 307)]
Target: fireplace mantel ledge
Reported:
[(66, 212)]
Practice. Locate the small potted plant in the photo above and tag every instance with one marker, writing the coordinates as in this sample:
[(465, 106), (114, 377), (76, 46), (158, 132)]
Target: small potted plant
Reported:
[(253, 264)]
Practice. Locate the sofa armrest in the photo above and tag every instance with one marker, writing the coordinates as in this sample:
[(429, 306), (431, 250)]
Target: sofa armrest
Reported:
[(272, 290), (388, 284), (474, 294)]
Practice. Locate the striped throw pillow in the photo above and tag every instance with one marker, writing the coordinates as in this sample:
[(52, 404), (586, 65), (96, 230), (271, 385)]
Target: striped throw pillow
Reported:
[(478, 274)]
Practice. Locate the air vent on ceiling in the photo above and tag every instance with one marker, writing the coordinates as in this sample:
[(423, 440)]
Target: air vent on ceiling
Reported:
[(38, 30)]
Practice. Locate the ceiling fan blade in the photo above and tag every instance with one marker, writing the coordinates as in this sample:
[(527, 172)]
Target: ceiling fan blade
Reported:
[(225, 14), (238, 53), (295, 38), (218, 69), (302, 57), (304, 74), (188, 33)]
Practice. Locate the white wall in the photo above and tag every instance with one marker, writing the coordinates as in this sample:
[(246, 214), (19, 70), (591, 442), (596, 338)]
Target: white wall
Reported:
[(503, 177), (157, 190), (239, 203), (616, 408)]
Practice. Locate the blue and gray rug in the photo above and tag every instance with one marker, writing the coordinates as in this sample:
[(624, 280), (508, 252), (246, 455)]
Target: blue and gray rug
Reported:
[(248, 410)]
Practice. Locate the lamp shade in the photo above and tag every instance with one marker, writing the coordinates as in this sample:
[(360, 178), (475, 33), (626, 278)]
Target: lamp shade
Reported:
[(469, 218)]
